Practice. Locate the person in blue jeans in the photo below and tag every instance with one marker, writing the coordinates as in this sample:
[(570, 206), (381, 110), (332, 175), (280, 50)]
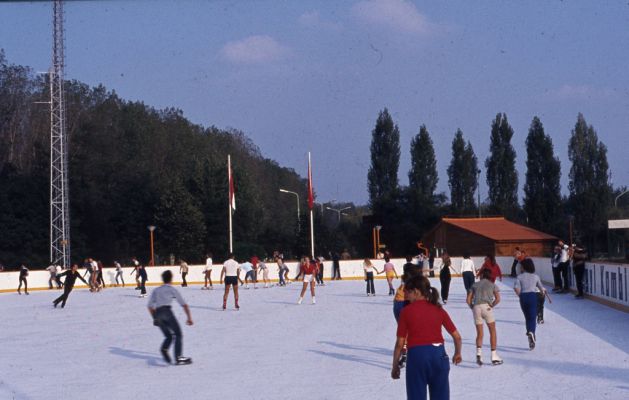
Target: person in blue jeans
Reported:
[(524, 287), (428, 365)]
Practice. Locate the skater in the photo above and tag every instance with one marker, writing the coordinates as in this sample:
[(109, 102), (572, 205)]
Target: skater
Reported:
[(100, 280), (336, 266), (517, 254), (482, 299), (320, 271), (420, 327), (119, 273), (421, 257), (52, 269), (58, 270), (445, 276), (578, 266), (247, 268), (136, 269), (390, 272), (555, 261), (369, 270), (164, 319), (143, 279), (71, 277), (308, 269), (183, 270), (262, 268), (541, 300), (303, 262), (231, 273), (564, 262), (207, 272), (524, 287), (468, 270), (493, 267), (282, 270), (23, 276)]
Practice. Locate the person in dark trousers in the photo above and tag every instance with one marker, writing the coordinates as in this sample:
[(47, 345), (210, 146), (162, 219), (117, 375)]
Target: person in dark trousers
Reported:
[(525, 286), (445, 277), (578, 265), (183, 270), (431, 260), (23, 275), (516, 259), (541, 300), (555, 266), (143, 279), (320, 271), (100, 279), (164, 319), (336, 266), (71, 277)]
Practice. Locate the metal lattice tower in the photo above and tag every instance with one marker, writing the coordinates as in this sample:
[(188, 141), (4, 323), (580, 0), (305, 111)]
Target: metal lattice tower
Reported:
[(59, 196)]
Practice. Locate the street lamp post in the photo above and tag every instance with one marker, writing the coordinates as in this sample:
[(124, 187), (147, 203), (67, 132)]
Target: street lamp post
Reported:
[(151, 228), (338, 211), (478, 189), (298, 212), (619, 196)]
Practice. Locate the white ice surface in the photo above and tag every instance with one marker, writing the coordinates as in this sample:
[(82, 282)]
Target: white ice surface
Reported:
[(104, 346)]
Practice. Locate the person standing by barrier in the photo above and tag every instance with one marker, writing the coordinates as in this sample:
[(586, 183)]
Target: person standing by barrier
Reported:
[(493, 268), (282, 270), (369, 271), (445, 276), (164, 319), (247, 268), (555, 260), (183, 270), (389, 270), (524, 287), (119, 273), (71, 276), (308, 270), (420, 328), (336, 266), (52, 270), (564, 261), (320, 260), (207, 272), (231, 273), (264, 270), (100, 279), (516, 259), (136, 269), (468, 270), (579, 256), (143, 279), (482, 299), (23, 280)]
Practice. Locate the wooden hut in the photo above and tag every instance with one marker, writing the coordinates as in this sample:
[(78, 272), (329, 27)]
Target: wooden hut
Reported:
[(493, 235)]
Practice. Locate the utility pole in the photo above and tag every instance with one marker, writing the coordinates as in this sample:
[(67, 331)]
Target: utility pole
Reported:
[(59, 194)]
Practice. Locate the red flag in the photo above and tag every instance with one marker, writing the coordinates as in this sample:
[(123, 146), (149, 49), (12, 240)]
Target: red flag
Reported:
[(232, 192), (310, 191)]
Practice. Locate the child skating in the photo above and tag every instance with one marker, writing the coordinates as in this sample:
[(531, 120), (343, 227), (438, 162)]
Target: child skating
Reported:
[(482, 299)]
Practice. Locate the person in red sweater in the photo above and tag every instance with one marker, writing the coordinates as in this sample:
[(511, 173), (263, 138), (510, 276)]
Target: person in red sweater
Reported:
[(493, 267), (308, 269), (420, 327)]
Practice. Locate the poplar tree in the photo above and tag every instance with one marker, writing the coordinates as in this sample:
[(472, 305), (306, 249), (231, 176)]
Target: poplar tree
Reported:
[(423, 176), (542, 195), (462, 177), (385, 161), (590, 191), (502, 178)]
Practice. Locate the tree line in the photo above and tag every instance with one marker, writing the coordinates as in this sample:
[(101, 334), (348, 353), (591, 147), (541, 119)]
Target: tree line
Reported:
[(406, 212)]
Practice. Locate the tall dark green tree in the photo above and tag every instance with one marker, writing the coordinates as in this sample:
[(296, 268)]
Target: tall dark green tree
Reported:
[(502, 177), (385, 161), (423, 175), (542, 190), (590, 191), (462, 176)]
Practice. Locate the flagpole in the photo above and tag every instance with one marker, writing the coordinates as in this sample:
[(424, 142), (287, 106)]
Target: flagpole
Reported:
[(229, 200), (311, 213)]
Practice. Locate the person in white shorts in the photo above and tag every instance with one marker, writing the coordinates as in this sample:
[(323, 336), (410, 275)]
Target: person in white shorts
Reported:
[(482, 298), (308, 270)]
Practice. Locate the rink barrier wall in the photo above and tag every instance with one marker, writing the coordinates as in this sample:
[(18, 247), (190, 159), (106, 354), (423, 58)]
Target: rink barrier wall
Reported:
[(606, 283)]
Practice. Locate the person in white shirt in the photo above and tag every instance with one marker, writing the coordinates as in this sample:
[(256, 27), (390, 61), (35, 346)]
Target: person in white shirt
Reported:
[(265, 273), (468, 270), (119, 273), (369, 270), (164, 319), (207, 272), (231, 273), (247, 268)]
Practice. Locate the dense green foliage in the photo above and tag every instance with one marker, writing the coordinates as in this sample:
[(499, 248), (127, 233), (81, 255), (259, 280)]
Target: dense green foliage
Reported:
[(502, 178), (385, 161), (542, 190), (590, 191), (462, 176)]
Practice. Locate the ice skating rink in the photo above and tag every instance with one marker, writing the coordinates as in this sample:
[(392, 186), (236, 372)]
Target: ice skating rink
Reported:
[(104, 346)]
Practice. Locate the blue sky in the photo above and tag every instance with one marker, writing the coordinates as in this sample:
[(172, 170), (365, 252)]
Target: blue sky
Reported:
[(299, 76)]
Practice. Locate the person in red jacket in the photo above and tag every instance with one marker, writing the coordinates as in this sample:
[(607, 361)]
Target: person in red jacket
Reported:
[(493, 267), (308, 269)]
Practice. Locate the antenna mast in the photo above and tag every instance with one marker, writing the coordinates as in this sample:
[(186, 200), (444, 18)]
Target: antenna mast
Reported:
[(59, 196)]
